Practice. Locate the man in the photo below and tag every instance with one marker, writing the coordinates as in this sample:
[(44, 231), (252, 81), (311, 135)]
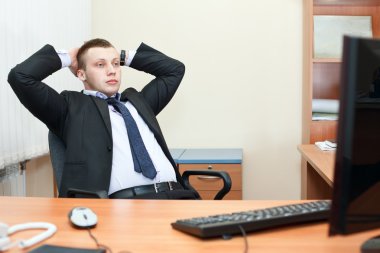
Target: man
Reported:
[(99, 126)]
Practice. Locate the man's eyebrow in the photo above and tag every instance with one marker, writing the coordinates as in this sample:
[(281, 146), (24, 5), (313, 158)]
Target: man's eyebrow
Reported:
[(102, 59)]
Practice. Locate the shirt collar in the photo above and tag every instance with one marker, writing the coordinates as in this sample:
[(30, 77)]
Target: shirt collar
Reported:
[(99, 94)]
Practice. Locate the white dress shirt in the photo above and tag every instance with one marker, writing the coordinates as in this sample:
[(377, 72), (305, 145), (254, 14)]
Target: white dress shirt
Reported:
[(123, 174)]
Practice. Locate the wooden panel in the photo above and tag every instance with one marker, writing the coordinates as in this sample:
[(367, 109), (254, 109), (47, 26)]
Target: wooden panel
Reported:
[(307, 70), (317, 188), (206, 183), (322, 130), (322, 161), (303, 179), (232, 195), (317, 172), (326, 78)]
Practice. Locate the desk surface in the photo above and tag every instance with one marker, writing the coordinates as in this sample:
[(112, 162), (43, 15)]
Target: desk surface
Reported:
[(228, 155), (207, 155), (125, 225), (322, 161)]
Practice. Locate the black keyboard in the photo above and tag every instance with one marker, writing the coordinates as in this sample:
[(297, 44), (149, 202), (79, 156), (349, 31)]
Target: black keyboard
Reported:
[(228, 224)]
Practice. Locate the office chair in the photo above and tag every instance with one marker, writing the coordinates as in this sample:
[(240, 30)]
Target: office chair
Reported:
[(57, 155)]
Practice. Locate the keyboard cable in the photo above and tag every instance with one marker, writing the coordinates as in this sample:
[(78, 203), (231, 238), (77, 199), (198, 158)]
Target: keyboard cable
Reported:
[(245, 238)]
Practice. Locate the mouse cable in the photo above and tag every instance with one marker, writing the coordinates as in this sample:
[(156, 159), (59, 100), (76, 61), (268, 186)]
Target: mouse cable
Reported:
[(245, 239), (102, 246)]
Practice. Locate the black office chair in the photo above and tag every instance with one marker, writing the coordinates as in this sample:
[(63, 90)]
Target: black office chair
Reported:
[(57, 155)]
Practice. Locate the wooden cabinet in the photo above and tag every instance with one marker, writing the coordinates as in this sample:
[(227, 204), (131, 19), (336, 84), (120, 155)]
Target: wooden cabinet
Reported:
[(228, 160), (208, 187), (321, 76)]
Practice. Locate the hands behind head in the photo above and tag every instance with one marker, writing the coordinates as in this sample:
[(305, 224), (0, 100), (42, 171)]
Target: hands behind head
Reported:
[(74, 62)]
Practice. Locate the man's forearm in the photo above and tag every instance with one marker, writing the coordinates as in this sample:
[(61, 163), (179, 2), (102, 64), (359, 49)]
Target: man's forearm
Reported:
[(168, 72), (35, 68), (154, 62), (40, 99)]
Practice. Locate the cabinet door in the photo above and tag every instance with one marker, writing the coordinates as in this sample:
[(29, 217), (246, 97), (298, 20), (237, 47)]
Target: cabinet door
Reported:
[(209, 186), (232, 195)]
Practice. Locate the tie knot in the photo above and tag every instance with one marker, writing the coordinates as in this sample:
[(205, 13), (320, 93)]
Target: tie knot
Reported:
[(120, 107), (112, 101)]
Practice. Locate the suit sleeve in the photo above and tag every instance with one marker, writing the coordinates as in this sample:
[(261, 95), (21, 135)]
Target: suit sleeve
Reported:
[(168, 74), (40, 99)]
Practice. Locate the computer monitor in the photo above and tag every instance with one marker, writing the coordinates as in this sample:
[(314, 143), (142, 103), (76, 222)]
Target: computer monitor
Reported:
[(356, 190)]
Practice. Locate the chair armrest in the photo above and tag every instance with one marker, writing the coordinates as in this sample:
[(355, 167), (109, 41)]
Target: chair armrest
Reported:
[(78, 193), (220, 174)]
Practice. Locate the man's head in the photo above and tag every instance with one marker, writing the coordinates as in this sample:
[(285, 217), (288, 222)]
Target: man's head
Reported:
[(99, 66)]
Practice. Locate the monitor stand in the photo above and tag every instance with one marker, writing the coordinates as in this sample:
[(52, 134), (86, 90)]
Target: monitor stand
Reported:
[(371, 245)]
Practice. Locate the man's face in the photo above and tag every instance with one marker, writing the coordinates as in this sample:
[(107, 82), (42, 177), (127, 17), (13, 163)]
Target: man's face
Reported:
[(102, 70)]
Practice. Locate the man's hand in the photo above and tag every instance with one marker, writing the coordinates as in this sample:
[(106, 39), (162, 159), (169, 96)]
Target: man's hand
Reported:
[(74, 63)]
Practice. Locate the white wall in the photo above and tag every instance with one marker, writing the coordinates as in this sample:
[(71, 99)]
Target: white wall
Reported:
[(243, 79)]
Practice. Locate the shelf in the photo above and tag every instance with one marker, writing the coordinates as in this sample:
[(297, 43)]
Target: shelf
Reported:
[(347, 2), (327, 60), (325, 122)]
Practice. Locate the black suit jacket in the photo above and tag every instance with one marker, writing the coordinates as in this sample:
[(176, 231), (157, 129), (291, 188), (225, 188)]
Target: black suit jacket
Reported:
[(83, 122)]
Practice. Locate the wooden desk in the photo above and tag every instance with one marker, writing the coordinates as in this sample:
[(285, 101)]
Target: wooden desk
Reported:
[(140, 226), (318, 172)]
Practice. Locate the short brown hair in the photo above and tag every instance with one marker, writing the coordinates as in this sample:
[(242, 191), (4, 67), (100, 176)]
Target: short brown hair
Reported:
[(90, 44)]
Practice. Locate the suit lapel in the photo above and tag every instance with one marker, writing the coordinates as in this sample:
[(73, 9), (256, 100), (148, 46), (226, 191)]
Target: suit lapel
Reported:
[(104, 112), (148, 116)]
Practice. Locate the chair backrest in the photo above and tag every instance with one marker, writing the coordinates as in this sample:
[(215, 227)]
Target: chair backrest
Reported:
[(57, 156)]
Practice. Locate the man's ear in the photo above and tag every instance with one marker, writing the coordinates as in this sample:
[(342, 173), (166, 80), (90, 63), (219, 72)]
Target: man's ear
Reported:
[(81, 75)]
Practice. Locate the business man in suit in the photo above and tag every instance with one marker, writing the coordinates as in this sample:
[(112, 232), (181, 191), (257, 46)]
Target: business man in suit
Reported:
[(100, 155)]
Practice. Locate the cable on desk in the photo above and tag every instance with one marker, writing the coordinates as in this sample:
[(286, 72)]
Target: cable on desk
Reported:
[(245, 239), (102, 246)]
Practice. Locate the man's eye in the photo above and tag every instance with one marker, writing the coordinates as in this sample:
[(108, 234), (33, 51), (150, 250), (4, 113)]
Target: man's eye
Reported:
[(116, 64), (100, 65)]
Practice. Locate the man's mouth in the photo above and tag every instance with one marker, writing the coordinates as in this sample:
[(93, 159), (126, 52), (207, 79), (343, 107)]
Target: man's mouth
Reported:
[(112, 81)]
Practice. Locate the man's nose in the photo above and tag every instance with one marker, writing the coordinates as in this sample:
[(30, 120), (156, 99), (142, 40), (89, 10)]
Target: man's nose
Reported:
[(111, 69)]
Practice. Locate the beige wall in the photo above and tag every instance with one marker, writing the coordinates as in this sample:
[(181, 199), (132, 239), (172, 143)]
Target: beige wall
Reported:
[(243, 79), (39, 177)]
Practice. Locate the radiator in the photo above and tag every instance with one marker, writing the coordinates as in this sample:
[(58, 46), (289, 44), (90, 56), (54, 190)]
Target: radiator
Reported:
[(12, 180)]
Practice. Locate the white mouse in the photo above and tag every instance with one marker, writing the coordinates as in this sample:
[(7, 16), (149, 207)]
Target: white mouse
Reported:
[(83, 217)]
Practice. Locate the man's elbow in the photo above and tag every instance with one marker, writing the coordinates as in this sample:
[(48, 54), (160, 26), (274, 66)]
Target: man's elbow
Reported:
[(12, 76), (181, 69), (17, 77)]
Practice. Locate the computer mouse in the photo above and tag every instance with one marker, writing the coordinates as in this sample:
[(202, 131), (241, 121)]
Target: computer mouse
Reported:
[(83, 217)]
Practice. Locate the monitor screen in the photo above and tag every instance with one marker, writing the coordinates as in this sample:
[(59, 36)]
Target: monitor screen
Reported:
[(356, 189)]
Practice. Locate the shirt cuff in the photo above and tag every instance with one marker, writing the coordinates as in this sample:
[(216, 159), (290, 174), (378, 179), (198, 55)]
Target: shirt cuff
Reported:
[(131, 55), (65, 58)]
